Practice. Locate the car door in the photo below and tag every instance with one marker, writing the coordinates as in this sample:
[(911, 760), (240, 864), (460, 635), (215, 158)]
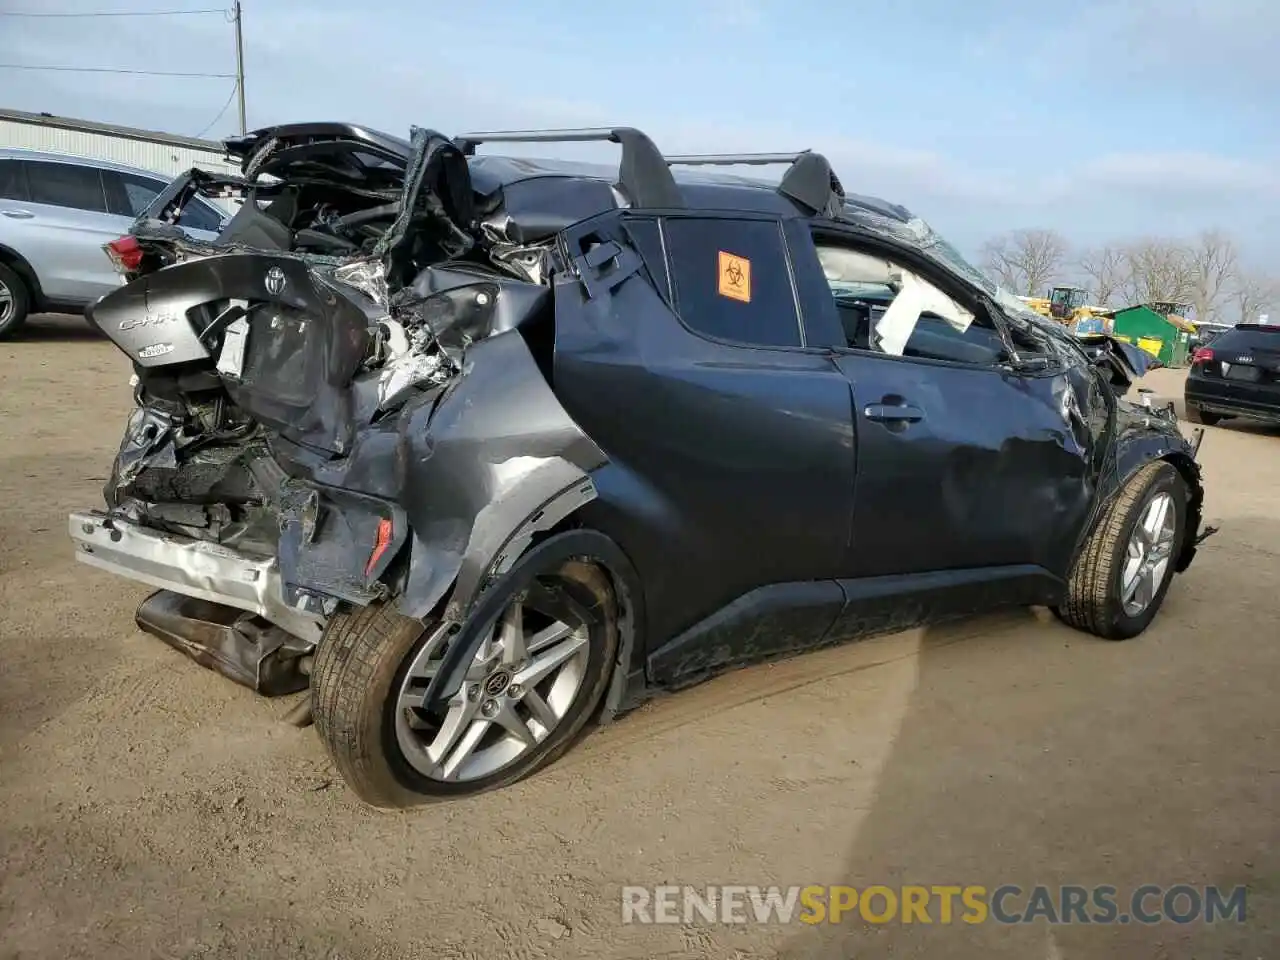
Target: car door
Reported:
[(679, 350), (974, 477), (65, 222), (129, 194)]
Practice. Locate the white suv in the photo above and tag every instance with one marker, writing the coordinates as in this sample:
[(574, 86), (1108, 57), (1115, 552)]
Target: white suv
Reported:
[(56, 212)]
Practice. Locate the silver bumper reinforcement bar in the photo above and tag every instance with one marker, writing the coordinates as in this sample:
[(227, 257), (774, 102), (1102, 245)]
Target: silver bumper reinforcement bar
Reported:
[(195, 568)]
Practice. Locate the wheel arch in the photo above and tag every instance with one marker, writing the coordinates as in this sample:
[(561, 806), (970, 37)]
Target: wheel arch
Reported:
[(562, 541), (19, 265), (1134, 453)]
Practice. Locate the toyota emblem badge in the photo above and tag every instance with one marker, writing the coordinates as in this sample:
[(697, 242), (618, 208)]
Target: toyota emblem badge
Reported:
[(275, 281)]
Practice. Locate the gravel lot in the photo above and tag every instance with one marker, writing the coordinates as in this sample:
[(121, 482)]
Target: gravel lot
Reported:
[(153, 809)]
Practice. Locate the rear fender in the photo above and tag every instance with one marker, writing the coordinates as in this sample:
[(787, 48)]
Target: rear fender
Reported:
[(15, 262), (486, 466)]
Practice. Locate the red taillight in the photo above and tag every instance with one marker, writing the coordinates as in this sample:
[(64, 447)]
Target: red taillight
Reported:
[(381, 541), (125, 253), (1202, 355)]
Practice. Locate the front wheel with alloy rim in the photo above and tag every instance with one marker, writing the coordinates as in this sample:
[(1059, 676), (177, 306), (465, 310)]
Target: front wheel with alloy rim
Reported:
[(541, 668), (1121, 576), (15, 301)]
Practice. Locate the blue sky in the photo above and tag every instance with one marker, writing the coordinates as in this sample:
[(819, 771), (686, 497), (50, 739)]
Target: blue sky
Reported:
[(1105, 121)]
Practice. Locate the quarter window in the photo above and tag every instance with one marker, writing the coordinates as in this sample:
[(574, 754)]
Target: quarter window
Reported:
[(732, 281), (139, 192)]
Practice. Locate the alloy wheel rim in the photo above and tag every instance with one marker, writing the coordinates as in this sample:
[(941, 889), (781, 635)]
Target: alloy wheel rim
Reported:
[(1148, 554), (6, 303), (523, 681)]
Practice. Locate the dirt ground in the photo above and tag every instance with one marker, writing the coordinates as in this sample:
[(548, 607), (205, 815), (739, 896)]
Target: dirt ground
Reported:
[(149, 808)]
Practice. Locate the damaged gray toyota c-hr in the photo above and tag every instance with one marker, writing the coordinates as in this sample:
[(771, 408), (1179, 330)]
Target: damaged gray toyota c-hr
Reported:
[(483, 449)]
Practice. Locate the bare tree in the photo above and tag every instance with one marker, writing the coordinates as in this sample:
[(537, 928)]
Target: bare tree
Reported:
[(1252, 294), (1107, 269), (1025, 261), (1214, 263), (1158, 271)]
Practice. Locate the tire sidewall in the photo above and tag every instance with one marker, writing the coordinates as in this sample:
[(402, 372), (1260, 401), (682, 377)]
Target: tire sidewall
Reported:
[(21, 300), (1166, 480)]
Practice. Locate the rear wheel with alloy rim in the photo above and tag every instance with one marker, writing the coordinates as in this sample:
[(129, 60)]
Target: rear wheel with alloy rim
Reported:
[(541, 668)]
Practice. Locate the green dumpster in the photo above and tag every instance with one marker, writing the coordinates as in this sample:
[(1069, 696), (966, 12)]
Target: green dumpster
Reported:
[(1160, 329)]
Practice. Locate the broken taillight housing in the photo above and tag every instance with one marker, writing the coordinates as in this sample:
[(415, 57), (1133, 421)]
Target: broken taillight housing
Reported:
[(382, 540), (1202, 355), (126, 254)]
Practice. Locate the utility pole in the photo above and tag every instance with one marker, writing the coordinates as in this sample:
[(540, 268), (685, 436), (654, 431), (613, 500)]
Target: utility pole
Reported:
[(240, 66)]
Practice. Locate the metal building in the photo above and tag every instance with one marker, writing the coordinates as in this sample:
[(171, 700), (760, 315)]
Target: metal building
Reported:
[(162, 153)]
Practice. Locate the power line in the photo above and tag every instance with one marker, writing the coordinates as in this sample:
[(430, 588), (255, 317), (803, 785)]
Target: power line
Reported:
[(209, 126), (117, 13), (140, 73)]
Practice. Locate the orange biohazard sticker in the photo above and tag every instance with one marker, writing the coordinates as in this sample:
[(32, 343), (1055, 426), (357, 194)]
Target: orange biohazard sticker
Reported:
[(735, 277)]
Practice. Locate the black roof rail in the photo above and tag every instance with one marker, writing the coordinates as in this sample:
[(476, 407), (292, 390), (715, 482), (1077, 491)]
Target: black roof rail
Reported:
[(810, 181), (643, 173)]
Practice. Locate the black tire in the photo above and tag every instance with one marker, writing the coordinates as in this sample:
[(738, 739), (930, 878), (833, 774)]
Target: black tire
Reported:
[(1196, 415), (19, 305), (1093, 602), (361, 661)]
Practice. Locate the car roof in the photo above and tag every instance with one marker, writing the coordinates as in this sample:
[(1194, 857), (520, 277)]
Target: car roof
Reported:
[(702, 189), (18, 153), (698, 187)]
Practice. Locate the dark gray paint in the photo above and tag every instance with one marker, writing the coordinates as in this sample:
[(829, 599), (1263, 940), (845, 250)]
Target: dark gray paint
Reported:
[(759, 506), (496, 449)]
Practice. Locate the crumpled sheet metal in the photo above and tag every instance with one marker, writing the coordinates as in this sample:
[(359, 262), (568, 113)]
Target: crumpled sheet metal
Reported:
[(148, 442), (195, 568), (436, 162), (494, 449), (369, 276)]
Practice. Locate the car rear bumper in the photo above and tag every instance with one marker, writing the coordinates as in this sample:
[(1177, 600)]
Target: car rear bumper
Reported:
[(1233, 400), (194, 568)]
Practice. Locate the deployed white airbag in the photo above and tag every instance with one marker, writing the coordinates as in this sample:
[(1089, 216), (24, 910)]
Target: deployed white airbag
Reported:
[(915, 297)]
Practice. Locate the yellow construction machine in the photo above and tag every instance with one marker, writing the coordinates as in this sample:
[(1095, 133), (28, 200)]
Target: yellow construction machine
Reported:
[(1065, 304)]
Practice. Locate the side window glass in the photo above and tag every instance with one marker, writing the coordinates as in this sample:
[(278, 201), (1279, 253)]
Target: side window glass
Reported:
[(731, 280), (140, 191), (13, 183), (66, 185), (200, 216), (884, 307)]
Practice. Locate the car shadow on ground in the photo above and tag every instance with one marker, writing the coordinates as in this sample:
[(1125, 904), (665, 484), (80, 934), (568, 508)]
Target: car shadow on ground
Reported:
[(1031, 757), (55, 327)]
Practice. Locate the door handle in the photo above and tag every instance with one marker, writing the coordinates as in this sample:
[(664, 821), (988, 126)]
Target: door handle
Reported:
[(18, 214), (893, 413)]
